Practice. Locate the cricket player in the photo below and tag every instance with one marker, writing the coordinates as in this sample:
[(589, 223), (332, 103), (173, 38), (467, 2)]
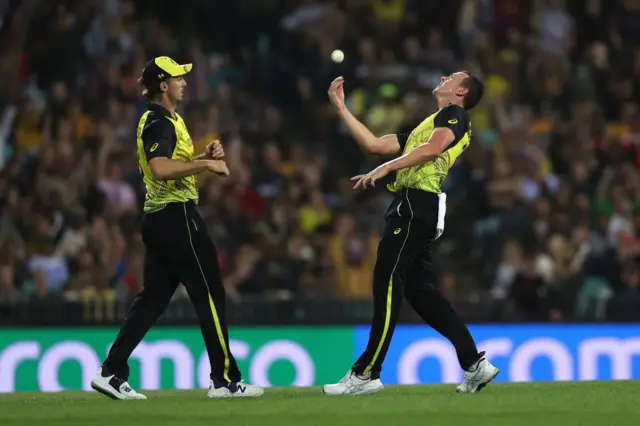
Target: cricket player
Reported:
[(414, 220)]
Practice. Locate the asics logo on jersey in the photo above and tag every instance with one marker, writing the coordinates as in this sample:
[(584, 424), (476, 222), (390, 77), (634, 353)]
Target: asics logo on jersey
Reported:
[(453, 121), (154, 147)]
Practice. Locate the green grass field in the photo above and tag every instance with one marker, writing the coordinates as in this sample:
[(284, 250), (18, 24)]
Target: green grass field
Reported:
[(522, 404)]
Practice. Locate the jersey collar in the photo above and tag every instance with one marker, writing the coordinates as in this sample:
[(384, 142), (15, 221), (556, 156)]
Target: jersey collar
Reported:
[(159, 109)]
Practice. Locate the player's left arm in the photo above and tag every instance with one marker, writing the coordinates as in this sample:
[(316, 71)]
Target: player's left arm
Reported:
[(449, 127)]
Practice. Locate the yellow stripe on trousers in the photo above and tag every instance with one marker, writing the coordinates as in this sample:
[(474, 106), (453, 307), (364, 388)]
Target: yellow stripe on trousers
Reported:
[(387, 317), (214, 311)]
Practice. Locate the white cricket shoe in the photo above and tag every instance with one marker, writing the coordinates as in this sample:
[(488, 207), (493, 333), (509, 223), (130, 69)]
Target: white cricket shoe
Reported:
[(114, 387), (233, 390), (352, 384), (477, 377)]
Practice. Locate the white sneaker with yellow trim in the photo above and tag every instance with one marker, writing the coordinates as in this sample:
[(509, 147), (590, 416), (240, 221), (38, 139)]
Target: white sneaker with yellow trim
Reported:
[(352, 384)]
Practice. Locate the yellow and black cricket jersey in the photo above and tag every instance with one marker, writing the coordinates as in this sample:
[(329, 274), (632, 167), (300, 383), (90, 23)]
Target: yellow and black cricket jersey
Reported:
[(161, 135), (423, 182)]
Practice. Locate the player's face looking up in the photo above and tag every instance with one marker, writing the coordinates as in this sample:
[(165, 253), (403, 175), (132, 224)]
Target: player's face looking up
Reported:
[(451, 86)]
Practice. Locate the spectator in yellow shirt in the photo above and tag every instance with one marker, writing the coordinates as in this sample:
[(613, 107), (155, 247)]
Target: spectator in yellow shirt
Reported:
[(387, 115), (314, 214)]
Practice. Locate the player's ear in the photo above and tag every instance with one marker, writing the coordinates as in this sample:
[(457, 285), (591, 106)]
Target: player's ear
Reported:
[(461, 91), (164, 86)]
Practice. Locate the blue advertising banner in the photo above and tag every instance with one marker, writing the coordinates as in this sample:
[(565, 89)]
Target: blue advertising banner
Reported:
[(522, 352)]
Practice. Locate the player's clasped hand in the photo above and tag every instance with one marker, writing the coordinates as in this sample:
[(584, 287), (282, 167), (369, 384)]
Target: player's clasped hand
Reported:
[(215, 150), (369, 179)]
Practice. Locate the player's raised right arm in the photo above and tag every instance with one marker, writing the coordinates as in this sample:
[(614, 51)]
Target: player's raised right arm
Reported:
[(384, 145)]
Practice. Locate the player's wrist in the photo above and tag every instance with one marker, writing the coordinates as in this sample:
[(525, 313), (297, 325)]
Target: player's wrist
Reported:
[(218, 167), (387, 167)]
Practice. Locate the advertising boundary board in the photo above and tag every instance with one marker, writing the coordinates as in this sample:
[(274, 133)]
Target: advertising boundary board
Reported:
[(56, 359)]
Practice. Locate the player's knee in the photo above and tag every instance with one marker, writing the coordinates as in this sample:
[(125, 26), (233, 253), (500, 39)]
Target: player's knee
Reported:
[(390, 281), (419, 289)]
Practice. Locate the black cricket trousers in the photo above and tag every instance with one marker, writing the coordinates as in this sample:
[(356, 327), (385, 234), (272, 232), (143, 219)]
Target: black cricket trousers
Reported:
[(178, 250), (404, 265)]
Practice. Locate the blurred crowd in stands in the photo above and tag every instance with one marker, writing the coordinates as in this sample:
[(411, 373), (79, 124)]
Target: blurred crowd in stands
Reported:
[(544, 213)]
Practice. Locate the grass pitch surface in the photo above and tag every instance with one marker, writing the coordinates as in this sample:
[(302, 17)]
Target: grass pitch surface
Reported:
[(522, 404)]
